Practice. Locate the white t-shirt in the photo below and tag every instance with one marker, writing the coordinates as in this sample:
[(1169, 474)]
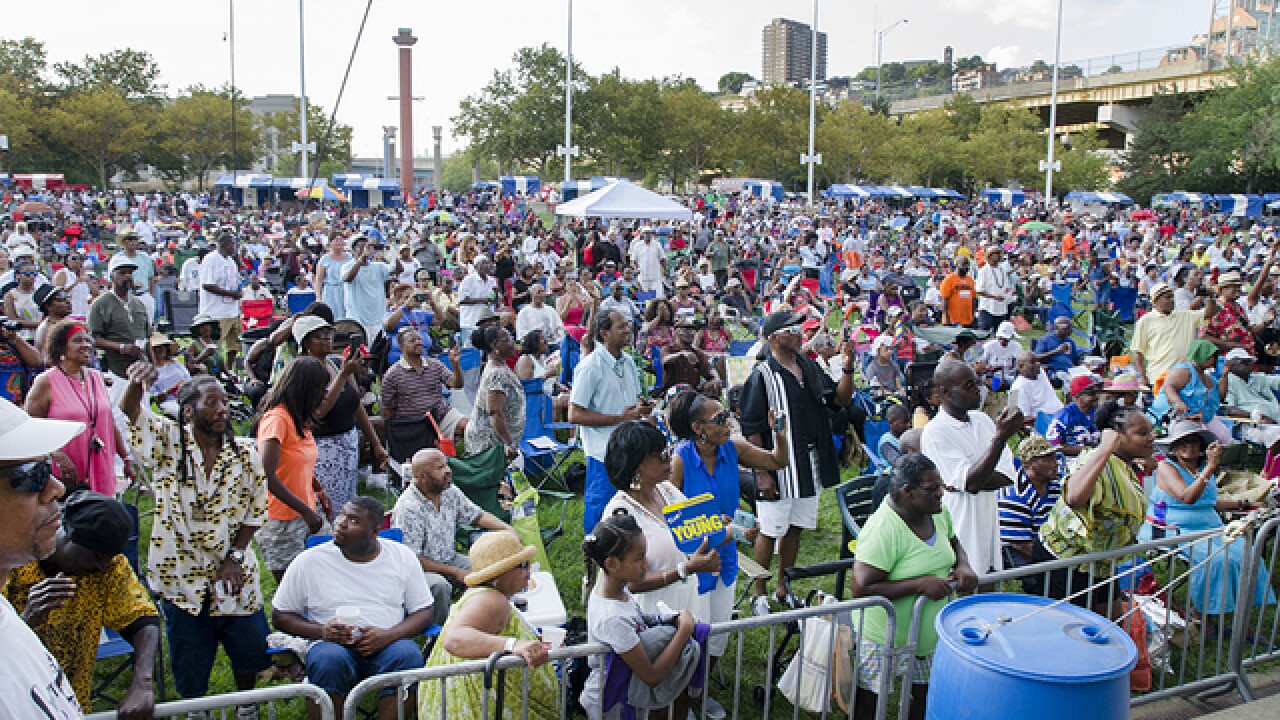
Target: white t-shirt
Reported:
[(648, 257), (1036, 396), (471, 287), (614, 623), (544, 318), (222, 271), (998, 356), (189, 277), (33, 685), (955, 446), (995, 281), (386, 589), (408, 271)]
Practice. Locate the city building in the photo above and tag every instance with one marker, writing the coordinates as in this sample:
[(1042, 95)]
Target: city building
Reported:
[(787, 53), (967, 81)]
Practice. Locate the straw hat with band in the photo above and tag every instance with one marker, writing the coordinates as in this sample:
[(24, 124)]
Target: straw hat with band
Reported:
[(1229, 278), (160, 340), (495, 553), (1159, 289)]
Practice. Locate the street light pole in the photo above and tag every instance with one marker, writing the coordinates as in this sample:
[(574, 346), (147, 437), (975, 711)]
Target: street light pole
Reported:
[(811, 158), (231, 43), (1050, 165), (302, 82), (880, 50), (567, 150)]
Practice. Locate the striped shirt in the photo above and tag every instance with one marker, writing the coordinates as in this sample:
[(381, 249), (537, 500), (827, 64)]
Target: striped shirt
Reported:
[(1023, 510)]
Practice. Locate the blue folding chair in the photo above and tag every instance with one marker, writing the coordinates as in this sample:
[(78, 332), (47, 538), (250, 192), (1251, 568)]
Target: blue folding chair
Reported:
[(1043, 420), (740, 348), (112, 644), (544, 456), (296, 302), (1124, 301)]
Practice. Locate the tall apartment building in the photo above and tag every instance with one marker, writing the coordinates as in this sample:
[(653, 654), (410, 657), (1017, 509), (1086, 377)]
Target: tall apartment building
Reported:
[(787, 52)]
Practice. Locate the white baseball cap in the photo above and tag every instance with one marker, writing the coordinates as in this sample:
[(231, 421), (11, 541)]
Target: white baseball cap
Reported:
[(1007, 331)]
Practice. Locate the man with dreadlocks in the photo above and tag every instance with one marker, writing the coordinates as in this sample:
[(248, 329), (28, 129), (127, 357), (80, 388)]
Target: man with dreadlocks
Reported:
[(211, 497)]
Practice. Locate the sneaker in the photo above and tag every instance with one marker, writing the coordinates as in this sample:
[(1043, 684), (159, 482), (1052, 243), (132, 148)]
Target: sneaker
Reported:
[(760, 605), (247, 712), (715, 711)]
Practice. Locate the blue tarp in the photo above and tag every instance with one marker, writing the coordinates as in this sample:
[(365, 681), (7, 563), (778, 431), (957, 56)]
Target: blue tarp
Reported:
[(527, 184), (1004, 196), (1099, 198)]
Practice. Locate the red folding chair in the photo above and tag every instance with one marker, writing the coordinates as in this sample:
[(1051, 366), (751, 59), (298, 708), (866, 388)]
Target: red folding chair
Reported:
[(256, 313)]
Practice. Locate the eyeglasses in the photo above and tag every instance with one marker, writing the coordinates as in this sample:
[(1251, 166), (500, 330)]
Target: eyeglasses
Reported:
[(524, 565), (719, 418), (28, 273), (32, 477), (791, 329)]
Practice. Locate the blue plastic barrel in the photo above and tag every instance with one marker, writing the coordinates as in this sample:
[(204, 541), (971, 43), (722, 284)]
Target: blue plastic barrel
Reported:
[(1064, 663)]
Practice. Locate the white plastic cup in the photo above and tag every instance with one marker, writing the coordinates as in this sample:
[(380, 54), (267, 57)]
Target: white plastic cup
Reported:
[(348, 615), (553, 636), (226, 600)]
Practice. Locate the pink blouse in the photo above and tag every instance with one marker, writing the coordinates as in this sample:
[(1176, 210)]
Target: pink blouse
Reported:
[(69, 400)]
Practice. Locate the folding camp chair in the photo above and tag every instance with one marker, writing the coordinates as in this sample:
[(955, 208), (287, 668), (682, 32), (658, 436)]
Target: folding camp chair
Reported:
[(544, 456), (740, 348), (180, 309), (256, 314), (1123, 302), (855, 498), (298, 300)]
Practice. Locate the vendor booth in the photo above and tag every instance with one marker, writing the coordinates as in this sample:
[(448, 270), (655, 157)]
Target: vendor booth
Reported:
[(372, 192), (520, 184), (764, 189), (1004, 196), (1239, 205), (248, 189)]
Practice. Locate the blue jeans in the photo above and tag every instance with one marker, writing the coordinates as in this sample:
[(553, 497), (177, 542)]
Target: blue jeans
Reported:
[(598, 494), (194, 640), (336, 669)]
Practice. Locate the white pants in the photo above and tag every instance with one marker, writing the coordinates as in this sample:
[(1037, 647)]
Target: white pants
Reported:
[(654, 285)]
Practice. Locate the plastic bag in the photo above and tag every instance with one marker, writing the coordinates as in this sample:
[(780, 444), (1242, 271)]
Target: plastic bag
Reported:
[(810, 689)]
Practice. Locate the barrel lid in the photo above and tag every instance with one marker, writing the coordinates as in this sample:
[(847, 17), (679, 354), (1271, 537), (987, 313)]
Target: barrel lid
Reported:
[(1065, 644)]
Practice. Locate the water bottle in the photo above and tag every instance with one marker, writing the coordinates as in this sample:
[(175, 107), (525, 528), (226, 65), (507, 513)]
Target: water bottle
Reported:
[(1157, 528)]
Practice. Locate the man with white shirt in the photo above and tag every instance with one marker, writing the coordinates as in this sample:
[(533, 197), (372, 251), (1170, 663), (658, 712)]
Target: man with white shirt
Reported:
[(380, 580), (477, 292), (651, 261), (538, 315), (1000, 354), (994, 291), (220, 294), (973, 460), (1034, 391)]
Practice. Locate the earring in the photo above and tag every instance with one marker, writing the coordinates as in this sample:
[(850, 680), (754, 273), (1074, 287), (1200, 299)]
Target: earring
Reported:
[(635, 483)]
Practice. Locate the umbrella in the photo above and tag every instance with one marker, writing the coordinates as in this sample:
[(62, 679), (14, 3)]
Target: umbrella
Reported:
[(1143, 215), (1036, 225), (443, 216), (33, 207), (323, 192)]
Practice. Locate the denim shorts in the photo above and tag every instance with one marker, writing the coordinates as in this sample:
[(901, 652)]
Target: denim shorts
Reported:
[(194, 640)]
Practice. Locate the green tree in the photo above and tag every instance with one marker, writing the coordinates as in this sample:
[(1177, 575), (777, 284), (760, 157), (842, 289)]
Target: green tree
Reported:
[(132, 73), (855, 144), (24, 66), (457, 173), (694, 137), (1004, 148), (772, 134), (1158, 161), (927, 151), (731, 82), (193, 135), (336, 149), (103, 128), (1083, 165), (965, 114)]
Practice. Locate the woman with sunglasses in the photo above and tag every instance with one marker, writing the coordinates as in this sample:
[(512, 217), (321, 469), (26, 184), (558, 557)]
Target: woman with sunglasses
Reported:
[(55, 303), (638, 464)]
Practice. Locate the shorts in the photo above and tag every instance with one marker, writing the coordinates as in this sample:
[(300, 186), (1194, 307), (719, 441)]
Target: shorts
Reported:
[(194, 641), (871, 666), (229, 335), (777, 516), (280, 541)]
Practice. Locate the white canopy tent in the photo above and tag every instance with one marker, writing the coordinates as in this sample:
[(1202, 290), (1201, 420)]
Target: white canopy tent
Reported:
[(623, 199)]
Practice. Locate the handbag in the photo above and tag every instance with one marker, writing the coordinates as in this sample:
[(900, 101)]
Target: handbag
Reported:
[(443, 444), (810, 688)]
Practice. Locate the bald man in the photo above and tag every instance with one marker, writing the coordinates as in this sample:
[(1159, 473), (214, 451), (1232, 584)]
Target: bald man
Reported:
[(429, 514), (973, 460)]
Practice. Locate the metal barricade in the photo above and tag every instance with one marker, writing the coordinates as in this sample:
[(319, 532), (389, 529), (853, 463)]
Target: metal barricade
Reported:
[(1256, 633), (893, 661), (223, 707), (1195, 630)]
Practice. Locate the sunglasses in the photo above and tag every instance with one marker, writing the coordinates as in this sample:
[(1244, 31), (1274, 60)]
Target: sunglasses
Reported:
[(791, 329), (28, 273), (523, 566), (719, 418), (32, 477)]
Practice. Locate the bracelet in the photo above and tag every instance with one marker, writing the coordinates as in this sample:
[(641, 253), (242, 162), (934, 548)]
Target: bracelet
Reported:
[(510, 645)]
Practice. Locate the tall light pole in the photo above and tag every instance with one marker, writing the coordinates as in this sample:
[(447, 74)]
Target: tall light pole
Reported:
[(302, 147), (1050, 165), (567, 150), (231, 43), (811, 158), (880, 49)]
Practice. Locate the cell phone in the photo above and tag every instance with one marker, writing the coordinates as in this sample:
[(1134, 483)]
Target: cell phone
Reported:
[(779, 423), (421, 297), (742, 521), (1013, 398), (341, 338)]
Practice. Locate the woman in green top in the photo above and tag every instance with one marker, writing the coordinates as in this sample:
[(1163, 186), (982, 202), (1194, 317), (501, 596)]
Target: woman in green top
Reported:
[(483, 622), (1102, 505), (908, 548)]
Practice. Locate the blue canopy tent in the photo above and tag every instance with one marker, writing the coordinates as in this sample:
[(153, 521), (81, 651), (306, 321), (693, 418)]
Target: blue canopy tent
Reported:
[(485, 185), (246, 188), (1188, 197), (1003, 196), (341, 179), (574, 189), (890, 191), (842, 191), (1240, 205), (526, 184), (764, 188), (925, 193), (373, 192), (1271, 201), (1098, 198)]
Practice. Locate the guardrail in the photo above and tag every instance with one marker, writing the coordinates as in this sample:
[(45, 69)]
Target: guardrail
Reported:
[(790, 622), (224, 706)]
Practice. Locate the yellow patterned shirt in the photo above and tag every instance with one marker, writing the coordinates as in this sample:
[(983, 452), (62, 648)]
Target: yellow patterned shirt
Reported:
[(1111, 520), (198, 514), (113, 598)]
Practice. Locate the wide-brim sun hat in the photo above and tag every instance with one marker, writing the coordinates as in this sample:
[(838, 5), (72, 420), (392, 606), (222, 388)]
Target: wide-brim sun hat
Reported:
[(495, 553), (1184, 429), (307, 324), (23, 437)]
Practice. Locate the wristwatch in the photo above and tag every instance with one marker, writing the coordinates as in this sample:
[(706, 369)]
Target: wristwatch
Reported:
[(236, 555)]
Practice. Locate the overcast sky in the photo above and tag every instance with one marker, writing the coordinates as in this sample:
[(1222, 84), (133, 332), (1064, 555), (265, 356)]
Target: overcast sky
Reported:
[(461, 43)]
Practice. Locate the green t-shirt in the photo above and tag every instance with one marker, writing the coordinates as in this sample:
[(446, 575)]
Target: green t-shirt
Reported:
[(889, 544)]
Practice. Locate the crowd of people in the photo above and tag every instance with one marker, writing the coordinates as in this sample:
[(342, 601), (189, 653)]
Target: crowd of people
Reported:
[(757, 354)]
